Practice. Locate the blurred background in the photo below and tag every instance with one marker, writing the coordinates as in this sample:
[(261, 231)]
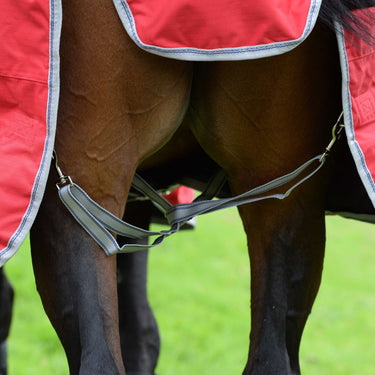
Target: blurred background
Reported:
[(199, 290)]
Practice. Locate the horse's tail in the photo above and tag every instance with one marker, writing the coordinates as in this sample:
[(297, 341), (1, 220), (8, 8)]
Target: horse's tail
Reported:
[(342, 11)]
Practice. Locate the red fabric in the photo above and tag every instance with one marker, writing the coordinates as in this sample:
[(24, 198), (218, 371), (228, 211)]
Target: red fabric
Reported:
[(361, 59), (24, 64), (182, 194), (213, 24)]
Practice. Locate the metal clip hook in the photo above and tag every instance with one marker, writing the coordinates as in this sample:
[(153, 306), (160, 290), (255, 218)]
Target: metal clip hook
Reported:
[(63, 180), (336, 132)]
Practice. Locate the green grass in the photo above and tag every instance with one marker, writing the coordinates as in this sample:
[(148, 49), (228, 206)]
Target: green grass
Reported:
[(199, 289)]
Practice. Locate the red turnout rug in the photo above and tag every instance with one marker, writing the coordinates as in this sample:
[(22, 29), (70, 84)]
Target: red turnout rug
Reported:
[(185, 29), (358, 72), (29, 86), (218, 29)]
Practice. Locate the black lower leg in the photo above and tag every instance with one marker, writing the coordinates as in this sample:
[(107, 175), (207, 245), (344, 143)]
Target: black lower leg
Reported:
[(139, 333)]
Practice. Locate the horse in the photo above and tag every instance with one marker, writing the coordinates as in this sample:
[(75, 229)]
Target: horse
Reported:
[(122, 109)]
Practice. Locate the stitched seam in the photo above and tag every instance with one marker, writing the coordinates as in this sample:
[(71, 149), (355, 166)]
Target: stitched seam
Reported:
[(23, 78)]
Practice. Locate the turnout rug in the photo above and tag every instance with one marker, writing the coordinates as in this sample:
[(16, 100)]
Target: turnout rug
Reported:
[(218, 29), (29, 86), (358, 98), (185, 29)]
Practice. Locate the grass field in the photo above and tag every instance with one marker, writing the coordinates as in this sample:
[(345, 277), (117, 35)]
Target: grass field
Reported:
[(199, 289)]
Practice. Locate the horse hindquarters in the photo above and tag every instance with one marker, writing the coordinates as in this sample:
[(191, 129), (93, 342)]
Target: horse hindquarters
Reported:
[(260, 120)]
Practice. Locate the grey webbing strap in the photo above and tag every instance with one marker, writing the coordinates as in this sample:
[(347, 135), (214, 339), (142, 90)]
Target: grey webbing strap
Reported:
[(183, 212), (139, 184), (213, 187), (98, 222)]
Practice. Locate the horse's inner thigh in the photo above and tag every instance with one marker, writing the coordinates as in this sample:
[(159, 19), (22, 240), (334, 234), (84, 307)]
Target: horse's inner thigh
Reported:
[(126, 106), (269, 115)]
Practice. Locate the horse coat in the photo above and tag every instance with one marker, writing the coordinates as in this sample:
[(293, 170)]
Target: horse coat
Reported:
[(214, 30)]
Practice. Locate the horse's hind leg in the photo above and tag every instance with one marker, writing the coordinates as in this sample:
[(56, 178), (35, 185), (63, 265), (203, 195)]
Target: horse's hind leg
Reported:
[(77, 285), (286, 245), (117, 104), (139, 334), (260, 120), (140, 341), (6, 307)]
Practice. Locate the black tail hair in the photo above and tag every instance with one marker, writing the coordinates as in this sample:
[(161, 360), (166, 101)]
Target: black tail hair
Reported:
[(341, 11)]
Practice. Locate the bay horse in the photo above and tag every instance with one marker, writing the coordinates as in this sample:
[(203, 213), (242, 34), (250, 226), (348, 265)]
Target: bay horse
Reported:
[(119, 108)]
